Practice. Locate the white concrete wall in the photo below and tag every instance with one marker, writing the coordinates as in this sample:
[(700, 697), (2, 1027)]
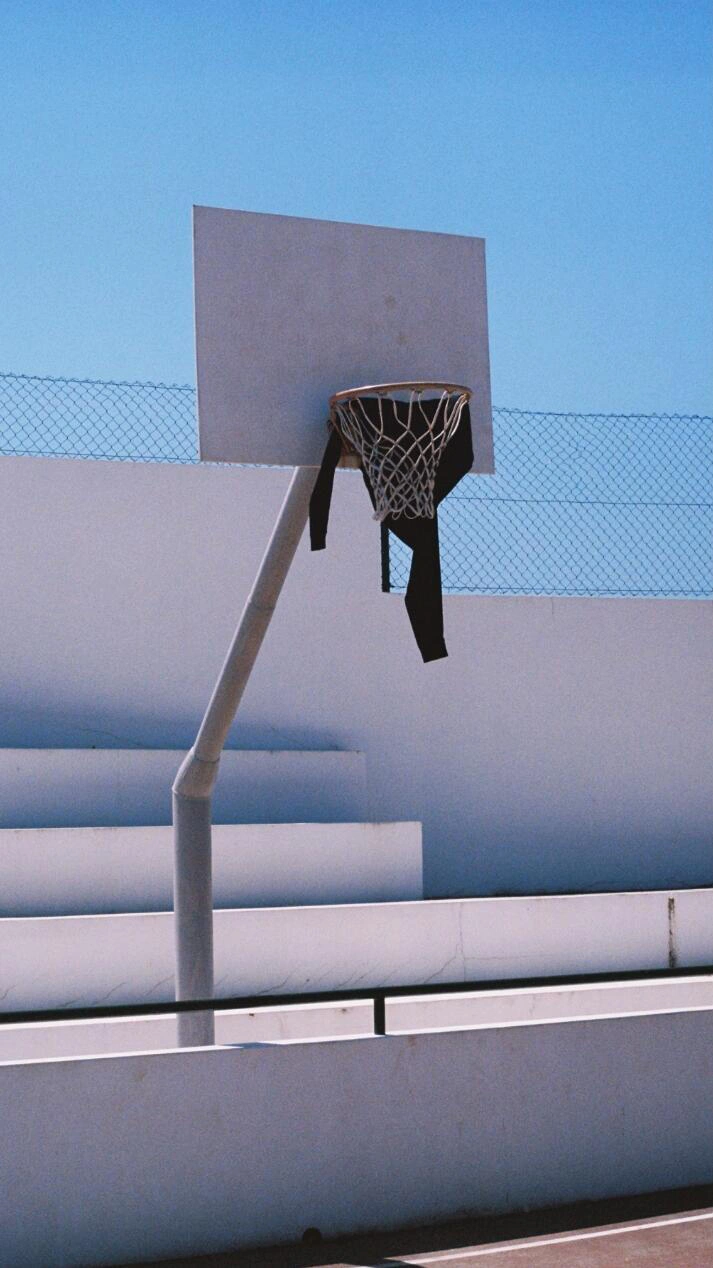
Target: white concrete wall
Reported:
[(82, 871), (60, 961), (564, 745), (61, 787), (124, 1159)]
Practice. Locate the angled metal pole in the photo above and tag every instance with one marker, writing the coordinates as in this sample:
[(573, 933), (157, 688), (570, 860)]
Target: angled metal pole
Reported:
[(193, 785)]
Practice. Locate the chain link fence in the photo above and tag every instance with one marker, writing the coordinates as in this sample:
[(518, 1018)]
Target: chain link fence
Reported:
[(582, 504), (84, 418)]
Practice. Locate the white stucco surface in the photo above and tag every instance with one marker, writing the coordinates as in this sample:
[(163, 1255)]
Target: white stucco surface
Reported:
[(151, 1156), (565, 744), (114, 786), (77, 871), (57, 961)]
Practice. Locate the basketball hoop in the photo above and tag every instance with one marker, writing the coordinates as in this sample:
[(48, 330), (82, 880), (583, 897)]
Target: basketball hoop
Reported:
[(398, 431)]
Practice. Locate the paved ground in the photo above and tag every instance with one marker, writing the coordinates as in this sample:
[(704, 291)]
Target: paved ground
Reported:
[(664, 1230)]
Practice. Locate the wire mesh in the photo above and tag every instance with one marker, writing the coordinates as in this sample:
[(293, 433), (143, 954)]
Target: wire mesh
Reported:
[(582, 504), (86, 418)]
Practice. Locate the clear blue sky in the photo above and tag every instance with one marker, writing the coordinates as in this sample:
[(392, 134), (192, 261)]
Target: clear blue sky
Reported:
[(574, 135)]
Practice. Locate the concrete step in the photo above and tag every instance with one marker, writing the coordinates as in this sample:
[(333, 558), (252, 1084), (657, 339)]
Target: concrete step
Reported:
[(413, 1014), (46, 788), (82, 871), (55, 961)]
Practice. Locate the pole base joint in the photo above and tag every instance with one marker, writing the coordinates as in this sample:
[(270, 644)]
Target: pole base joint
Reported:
[(195, 778)]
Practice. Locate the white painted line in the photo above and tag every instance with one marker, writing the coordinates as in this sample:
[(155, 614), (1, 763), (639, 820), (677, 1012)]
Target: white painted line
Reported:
[(550, 1241)]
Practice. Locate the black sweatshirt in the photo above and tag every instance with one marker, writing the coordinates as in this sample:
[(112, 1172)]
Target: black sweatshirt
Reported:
[(424, 600)]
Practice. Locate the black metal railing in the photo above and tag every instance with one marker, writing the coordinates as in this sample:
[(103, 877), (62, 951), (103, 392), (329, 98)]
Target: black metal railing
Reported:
[(379, 995)]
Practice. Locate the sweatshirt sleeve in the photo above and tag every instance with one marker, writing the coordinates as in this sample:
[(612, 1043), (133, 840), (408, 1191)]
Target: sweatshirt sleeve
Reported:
[(322, 493)]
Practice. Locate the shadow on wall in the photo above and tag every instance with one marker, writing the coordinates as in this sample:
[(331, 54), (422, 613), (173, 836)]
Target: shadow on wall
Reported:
[(57, 726), (547, 848)]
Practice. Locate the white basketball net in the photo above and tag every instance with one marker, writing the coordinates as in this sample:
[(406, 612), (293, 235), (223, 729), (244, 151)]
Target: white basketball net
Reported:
[(399, 442)]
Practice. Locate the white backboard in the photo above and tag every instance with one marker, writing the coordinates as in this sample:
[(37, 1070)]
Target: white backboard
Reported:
[(290, 310)]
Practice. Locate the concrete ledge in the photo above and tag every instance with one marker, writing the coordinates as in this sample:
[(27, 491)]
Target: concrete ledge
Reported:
[(545, 1003), (63, 960), (45, 787), (115, 1159), (289, 1024), (295, 1022), (81, 871)]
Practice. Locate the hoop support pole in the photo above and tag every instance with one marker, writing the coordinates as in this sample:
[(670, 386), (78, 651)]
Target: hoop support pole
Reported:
[(195, 779)]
